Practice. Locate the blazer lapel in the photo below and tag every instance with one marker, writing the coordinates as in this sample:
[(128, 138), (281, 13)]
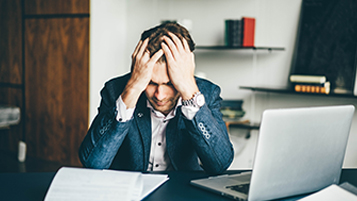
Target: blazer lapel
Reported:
[(173, 136), (143, 120)]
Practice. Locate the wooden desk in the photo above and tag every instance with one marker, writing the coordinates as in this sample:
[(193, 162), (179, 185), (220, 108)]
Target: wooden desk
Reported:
[(33, 186)]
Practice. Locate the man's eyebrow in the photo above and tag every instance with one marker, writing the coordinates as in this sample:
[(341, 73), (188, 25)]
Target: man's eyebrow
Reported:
[(166, 83)]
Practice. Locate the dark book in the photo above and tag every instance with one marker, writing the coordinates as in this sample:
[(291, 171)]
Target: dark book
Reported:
[(233, 33), (248, 31)]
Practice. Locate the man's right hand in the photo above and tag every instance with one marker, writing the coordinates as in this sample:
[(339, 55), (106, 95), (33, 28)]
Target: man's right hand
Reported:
[(141, 73)]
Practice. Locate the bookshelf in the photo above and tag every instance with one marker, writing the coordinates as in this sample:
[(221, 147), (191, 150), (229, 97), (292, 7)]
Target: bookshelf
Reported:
[(283, 91), (240, 124), (289, 91), (243, 124), (222, 47)]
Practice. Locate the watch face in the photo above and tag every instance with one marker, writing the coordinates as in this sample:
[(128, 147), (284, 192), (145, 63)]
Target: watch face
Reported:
[(200, 100)]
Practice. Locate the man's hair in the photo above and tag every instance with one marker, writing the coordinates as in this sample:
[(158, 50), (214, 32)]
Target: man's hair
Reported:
[(155, 36)]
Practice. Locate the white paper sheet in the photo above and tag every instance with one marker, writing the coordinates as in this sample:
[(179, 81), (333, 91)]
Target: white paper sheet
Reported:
[(82, 184), (151, 182), (331, 193)]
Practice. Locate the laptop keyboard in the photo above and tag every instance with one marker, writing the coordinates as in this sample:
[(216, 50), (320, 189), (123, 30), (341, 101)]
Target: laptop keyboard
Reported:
[(242, 188)]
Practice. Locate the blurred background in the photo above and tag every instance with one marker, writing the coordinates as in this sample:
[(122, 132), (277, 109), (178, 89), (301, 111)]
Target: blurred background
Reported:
[(55, 57)]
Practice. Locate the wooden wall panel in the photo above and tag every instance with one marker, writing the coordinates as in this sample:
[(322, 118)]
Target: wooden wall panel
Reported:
[(10, 42), (9, 138), (57, 84), (39, 7)]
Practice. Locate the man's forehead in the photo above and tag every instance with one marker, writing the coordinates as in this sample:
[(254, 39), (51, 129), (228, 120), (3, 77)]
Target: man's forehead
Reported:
[(160, 73)]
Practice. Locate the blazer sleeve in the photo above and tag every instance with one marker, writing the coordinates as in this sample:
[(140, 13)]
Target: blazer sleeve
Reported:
[(105, 135), (209, 134)]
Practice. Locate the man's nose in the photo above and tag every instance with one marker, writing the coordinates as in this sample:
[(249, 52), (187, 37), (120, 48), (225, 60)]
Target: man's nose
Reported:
[(160, 93)]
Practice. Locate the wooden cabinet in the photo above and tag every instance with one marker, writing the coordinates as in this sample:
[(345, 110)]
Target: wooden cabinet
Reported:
[(11, 75), (42, 7), (56, 61), (53, 76), (10, 42)]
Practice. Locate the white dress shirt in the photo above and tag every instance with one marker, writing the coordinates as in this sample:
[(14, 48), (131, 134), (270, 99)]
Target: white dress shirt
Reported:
[(159, 159)]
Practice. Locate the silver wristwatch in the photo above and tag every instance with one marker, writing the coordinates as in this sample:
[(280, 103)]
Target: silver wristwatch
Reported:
[(198, 100)]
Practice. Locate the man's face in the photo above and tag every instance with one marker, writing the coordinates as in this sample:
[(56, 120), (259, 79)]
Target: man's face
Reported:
[(160, 92)]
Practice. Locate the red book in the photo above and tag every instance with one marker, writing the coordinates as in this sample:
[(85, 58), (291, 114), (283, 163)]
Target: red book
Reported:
[(248, 31)]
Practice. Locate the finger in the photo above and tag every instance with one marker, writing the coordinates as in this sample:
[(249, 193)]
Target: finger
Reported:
[(136, 49), (167, 52), (156, 56), (185, 45), (171, 46), (143, 47), (177, 41)]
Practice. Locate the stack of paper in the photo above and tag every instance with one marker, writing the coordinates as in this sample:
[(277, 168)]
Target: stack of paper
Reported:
[(92, 184)]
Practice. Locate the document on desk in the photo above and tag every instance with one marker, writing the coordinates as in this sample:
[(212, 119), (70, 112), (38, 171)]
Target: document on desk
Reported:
[(83, 184), (331, 193)]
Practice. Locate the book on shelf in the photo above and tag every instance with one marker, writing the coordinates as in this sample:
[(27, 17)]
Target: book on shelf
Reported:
[(307, 79), (83, 184), (248, 24), (233, 33), (323, 88), (240, 33), (310, 84)]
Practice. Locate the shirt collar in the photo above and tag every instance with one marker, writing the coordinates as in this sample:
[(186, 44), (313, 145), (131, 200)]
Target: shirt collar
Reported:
[(171, 114)]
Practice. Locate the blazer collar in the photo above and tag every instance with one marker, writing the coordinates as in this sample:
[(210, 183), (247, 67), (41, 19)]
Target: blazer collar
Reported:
[(143, 121)]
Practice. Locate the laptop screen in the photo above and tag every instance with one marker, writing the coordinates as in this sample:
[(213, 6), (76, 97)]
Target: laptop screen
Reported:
[(300, 150)]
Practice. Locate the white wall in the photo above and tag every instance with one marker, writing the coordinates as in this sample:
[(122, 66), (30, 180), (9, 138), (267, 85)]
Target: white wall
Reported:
[(276, 26), (107, 53)]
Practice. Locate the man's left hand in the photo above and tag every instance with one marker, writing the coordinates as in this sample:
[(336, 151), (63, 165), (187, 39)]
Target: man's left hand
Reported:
[(181, 65)]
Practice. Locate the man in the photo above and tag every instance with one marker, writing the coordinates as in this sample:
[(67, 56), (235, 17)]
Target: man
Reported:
[(159, 117)]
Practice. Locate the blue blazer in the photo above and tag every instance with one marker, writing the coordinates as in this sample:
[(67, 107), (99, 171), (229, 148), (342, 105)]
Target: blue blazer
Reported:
[(126, 145)]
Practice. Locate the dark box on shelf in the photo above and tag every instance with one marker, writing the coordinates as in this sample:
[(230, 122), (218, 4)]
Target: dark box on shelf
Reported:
[(232, 109)]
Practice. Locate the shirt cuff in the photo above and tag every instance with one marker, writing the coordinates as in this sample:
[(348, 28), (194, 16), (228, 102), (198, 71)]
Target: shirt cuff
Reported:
[(189, 111), (124, 114)]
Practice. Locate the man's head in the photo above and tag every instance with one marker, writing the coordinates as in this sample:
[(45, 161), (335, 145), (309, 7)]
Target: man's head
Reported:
[(155, 36), (160, 92)]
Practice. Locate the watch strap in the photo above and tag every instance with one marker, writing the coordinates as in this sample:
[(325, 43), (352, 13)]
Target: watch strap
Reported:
[(192, 102)]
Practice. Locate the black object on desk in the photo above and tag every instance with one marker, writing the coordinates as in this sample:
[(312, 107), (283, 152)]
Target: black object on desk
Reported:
[(34, 186)]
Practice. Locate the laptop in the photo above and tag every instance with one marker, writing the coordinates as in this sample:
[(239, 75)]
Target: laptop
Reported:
[(299, 151)]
